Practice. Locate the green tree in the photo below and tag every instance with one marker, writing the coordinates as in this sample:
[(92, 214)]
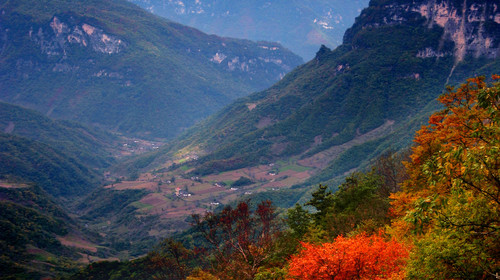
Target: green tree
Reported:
[(360, 204), (322, 200), (299, 221)]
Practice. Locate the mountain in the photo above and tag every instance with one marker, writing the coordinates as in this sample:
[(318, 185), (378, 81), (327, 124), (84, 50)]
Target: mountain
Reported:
[(62, 157), (24, 160), (114, 65), (348, 105), (301, 26), (38, 238), (323, 120), (94, 147)]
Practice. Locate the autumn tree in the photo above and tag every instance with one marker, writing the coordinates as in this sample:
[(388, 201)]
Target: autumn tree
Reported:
[(240, 239), (170, 260), (358, 257), (451, 202)]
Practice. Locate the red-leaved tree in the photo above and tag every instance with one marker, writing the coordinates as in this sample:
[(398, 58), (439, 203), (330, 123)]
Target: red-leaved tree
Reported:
[(240, 239), (358, 257)]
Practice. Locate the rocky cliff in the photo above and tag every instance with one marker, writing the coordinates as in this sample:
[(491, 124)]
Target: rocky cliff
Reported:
[(473, 26), (55, 40)]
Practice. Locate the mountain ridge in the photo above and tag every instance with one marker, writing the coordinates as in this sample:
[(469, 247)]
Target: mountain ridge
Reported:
[(415, 59), (111, 64), (299, 25)]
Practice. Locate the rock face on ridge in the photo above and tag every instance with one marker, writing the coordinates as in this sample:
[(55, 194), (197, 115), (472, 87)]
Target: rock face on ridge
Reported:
[(473, 26), (56, 42)]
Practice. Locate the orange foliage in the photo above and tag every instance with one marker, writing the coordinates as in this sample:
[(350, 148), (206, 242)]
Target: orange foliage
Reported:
[(450, 205), (450, 150), (359, 257)]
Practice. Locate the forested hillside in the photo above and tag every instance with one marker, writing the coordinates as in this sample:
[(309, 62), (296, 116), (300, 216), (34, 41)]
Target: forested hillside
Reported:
[(114, 65), (352, 102), (38, 238), (432, 213)]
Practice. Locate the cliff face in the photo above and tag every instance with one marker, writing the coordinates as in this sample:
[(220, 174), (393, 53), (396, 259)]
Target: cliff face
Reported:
[(473, 26), (55, 39)]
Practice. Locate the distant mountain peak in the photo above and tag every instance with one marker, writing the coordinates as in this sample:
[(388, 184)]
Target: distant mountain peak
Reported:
[(301, 26), (323, 50)]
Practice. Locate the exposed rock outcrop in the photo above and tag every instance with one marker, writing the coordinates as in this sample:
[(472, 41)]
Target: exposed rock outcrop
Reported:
[(268, 55), (465, 25), (55, 39), (472, 25)]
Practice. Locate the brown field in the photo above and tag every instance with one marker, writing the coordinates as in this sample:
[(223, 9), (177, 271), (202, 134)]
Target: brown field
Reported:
[(153, 199), (73, 240), (88, 259), (163, 201), (12, 185), (133, 185)]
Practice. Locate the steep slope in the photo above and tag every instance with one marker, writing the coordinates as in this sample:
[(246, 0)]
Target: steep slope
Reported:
[(38, 238), (58, 173), (63, 158), (395, 60), (109, 63), (301, 26), (93, 147)]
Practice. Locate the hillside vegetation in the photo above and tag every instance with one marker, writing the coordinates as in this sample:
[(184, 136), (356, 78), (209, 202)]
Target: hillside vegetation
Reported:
[(94, 147), (38, 238), (112, 64), (360, 99), (63, 158), (434, 215), (58, 173)]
